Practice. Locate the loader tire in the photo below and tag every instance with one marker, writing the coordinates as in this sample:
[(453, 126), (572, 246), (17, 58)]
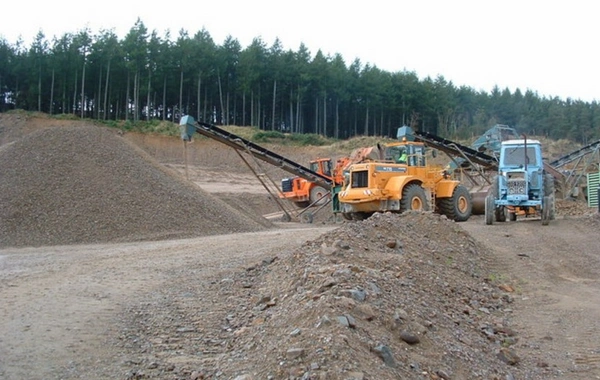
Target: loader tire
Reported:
[(459, 206), (318, 196), (307, 217), (303, 204), (360, 215), (413, 198)]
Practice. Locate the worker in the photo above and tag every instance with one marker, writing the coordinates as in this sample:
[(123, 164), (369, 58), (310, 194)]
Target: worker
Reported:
[(402, 157)]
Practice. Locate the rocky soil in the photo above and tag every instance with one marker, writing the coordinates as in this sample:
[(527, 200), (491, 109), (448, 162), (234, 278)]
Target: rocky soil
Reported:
[(376, 299), (131, 265)]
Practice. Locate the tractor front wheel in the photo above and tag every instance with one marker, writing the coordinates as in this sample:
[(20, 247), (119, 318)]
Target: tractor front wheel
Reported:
[(489, 210)]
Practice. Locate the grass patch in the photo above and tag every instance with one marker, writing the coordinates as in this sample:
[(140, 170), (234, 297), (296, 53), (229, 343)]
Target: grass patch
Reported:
[(495, 278), (295, 139)]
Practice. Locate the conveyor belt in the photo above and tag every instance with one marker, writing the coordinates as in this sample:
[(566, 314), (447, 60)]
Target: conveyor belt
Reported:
[(562, 161), (241, 144), (456, 149)]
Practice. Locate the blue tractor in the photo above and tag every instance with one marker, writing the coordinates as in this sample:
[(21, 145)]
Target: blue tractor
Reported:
[(522, 188)]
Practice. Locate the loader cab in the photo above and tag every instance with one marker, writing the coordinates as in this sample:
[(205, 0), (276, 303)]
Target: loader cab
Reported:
[(414, 153), (322, 166)]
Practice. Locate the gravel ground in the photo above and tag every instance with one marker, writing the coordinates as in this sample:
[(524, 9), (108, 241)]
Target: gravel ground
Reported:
[(412, 296)]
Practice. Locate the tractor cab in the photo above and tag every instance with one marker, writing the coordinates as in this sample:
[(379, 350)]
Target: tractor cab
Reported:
[(517, 155), (521, 187)]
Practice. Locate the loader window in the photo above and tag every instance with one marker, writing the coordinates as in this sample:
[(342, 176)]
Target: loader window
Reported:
[(327, 168), (322, 167), (314, 166), (417, 156), (393, 153)]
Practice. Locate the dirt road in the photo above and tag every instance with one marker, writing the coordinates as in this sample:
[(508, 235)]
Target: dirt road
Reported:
[(555, 271), (60, 305)]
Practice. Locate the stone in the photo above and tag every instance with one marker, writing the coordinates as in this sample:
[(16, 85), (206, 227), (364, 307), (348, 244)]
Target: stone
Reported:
[(385, 354), (294, 353), (409, 337), (508, 356)]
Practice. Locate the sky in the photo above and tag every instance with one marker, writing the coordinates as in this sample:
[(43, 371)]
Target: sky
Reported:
[(548, 47)]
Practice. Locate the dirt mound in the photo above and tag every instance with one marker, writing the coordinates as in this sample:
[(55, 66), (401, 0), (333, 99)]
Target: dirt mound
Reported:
[(568, 207), (394, 296), (73, 185)]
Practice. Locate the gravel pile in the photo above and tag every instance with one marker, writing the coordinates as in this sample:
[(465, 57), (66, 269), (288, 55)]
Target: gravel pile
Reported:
[(567, 207), (409, 296), (74, 185)]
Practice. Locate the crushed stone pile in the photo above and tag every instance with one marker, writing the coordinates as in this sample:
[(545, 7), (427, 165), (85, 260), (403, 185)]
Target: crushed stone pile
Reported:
[(568, 207), (409, 296), (86, 184)]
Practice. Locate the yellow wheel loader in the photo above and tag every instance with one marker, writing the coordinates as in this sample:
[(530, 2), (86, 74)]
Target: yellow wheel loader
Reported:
[(400, 179)]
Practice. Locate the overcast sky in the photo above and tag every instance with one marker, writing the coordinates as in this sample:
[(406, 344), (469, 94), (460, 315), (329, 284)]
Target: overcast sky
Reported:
[(548, 47)]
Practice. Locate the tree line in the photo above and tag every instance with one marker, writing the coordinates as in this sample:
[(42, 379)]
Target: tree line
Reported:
[(146, 76)]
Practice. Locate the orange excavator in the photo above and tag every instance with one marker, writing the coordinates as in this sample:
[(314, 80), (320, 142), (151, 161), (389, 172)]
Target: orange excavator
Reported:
[(304, 193)]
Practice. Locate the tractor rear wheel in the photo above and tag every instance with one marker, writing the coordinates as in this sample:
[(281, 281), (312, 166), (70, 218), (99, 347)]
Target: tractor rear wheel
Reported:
[(545, 211), (458, 207), (413, 198), (549, 191), (548, 185)]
